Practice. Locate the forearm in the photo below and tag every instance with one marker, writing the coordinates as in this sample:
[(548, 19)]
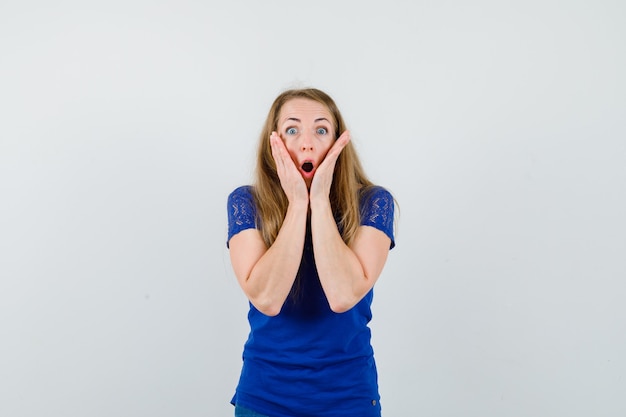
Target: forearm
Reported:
[(340, 271), (272, 277)]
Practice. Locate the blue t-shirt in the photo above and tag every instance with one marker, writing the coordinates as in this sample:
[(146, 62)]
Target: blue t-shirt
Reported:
[(308, 360)]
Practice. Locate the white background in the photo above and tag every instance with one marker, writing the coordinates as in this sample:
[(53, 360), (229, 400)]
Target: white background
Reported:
[(498, 125)]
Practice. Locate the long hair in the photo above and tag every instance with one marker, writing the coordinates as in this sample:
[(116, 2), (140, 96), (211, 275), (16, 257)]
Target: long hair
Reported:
[(349, 179)]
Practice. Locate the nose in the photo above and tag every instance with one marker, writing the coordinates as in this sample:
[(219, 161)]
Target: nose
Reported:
[(307, 142)]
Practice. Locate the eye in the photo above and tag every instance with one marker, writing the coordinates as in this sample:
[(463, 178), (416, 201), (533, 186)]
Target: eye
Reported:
[(322, 131), (291, 131)]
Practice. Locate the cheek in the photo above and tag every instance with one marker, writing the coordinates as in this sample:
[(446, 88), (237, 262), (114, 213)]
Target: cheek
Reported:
[(327, 146), (292, 152)]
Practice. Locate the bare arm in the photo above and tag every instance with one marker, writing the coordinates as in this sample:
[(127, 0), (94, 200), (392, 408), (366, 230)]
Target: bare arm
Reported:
[(266, 275), (346, 273)]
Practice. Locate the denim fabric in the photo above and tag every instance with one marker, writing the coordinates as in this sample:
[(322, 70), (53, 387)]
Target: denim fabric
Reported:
[(245, 412)]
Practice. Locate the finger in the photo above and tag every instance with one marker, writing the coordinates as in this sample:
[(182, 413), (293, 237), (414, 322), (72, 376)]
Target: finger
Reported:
[(284, 164), (277, 152), (343, 140), (337, 147), (274, 149), (277, 145)]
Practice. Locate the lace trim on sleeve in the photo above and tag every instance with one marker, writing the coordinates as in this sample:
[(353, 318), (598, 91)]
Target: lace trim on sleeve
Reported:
[(378, 211), (241, 211)]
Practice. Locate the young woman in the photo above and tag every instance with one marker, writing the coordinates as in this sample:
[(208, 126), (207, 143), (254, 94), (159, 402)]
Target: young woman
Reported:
[(307, 243)]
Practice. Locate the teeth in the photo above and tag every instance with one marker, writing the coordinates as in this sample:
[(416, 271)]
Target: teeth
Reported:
[(307, 167)]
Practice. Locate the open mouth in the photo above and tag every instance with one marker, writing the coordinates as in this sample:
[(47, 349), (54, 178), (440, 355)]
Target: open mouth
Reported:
[(307, 167)]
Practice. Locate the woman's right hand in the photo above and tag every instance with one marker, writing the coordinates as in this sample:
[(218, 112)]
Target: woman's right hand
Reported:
[(290, 178)]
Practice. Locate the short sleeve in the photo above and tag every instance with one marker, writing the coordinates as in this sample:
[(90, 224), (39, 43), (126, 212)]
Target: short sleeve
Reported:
[(241, 211), (377, 210)]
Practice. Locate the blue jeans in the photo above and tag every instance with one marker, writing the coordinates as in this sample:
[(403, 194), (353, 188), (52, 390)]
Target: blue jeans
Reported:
[(245, 412)]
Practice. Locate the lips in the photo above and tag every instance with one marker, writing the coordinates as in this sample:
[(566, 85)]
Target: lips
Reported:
[(307, 167)]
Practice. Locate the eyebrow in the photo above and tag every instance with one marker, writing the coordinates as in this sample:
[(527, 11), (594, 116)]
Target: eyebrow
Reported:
[(316, 120)]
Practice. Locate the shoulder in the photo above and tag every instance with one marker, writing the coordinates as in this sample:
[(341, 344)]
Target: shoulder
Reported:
[(241, 203), (376, 195), (244, 191), (243, 195)]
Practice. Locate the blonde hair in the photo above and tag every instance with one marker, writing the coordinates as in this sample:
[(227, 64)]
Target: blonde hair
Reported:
[(349, 179)]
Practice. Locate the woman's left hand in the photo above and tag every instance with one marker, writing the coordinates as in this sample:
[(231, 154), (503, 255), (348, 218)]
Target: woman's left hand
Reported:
[(320, 186)]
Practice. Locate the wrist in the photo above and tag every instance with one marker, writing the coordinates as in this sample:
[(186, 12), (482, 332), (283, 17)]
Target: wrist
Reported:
[(299, 204), (320, 203)]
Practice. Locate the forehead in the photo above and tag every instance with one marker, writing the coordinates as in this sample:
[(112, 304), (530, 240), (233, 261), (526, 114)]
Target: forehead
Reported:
[(304, 110)]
